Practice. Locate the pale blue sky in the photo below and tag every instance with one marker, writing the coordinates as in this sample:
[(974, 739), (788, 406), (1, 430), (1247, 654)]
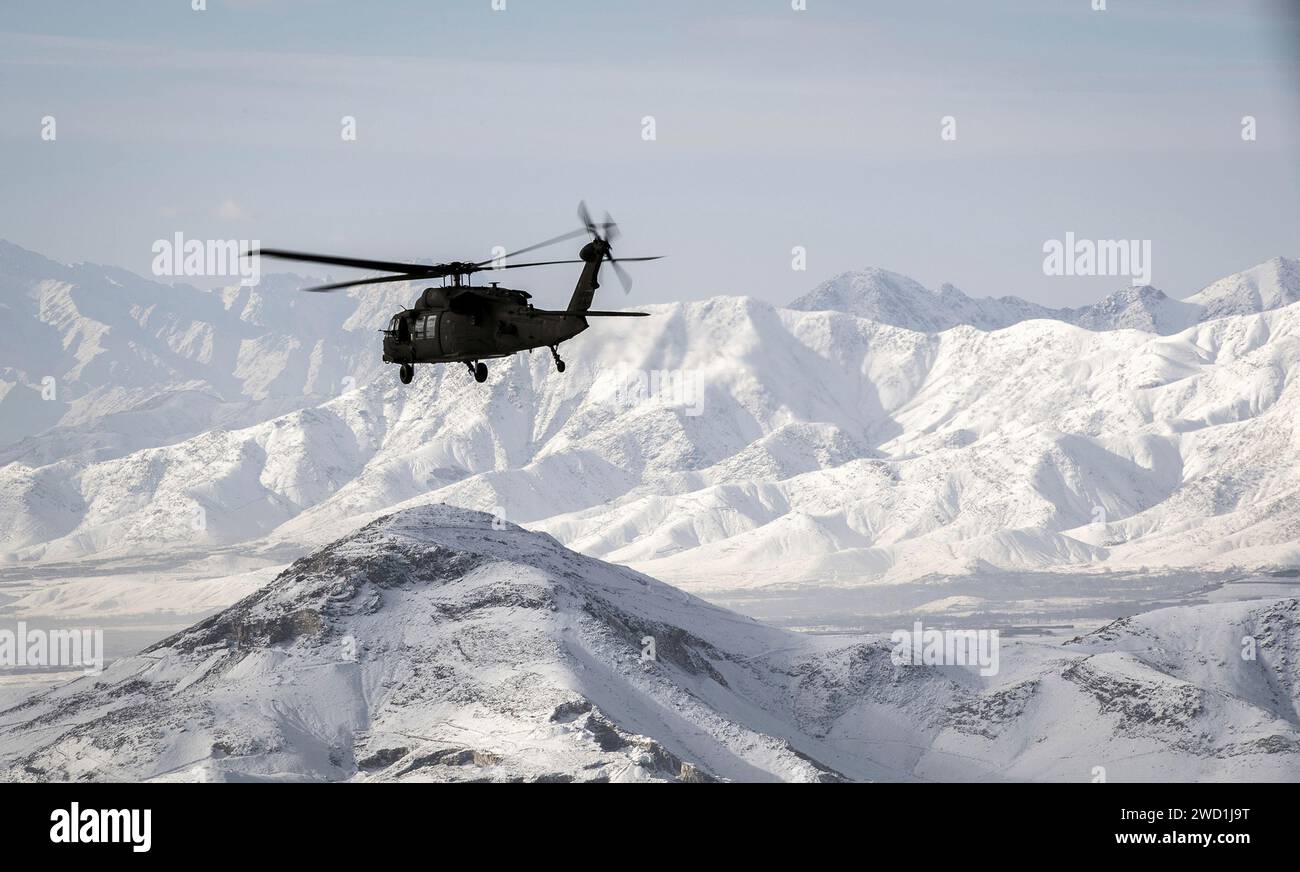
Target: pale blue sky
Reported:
[(775, 128)]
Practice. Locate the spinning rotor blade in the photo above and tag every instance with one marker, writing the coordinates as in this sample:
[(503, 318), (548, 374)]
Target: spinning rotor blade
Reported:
[(611, 233), (354, 262), (407, 277), (410, 277), (592, 227), (611, 229), (406, 272), (623, 278), (572, 234), (538, 263)]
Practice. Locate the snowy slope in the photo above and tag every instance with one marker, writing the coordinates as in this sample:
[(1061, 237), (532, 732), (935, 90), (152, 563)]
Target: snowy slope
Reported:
[(437, 644)]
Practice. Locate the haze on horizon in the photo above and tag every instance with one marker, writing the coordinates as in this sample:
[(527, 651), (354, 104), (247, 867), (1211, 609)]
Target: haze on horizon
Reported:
[(775, 128)]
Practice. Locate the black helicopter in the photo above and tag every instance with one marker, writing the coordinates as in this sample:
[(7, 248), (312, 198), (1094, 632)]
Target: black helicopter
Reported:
[(463, 323)]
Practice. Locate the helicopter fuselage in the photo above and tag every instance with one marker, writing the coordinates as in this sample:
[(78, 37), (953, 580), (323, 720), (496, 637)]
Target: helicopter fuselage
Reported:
[(476, 324)]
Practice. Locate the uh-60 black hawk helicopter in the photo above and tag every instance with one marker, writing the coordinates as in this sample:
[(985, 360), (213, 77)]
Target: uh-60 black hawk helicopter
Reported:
[(464, 323)]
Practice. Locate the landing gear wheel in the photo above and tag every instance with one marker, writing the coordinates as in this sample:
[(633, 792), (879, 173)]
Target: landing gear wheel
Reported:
[(406, 373), (480, 372), (559, 364)]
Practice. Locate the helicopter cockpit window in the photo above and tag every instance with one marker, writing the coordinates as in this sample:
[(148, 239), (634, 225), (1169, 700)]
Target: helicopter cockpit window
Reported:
[(426, 326)]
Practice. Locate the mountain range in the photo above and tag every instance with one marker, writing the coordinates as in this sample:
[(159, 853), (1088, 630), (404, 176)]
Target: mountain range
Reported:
[(872, 432), (889, 298)]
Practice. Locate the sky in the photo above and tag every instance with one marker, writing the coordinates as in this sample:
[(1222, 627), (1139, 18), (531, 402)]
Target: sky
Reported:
[(774, 128)]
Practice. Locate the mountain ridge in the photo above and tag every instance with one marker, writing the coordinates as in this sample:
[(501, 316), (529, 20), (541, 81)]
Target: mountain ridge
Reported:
[(892, 298), (812, 447)]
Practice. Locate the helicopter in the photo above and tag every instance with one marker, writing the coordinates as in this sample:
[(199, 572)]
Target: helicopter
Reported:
[(464, 323)]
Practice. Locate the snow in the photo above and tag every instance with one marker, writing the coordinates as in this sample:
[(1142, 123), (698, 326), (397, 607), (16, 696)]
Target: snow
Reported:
[(890, 298), (830, 449), (436, 644), (876, 453)]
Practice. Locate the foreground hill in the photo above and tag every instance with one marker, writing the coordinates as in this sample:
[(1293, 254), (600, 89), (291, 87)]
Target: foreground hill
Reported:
[(439, 644)]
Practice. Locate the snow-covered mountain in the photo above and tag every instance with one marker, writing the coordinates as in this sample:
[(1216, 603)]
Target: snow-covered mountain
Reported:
[(890, 298), (99, 361), (1270, 285), (827, 449), (439, 644), (783, 446)]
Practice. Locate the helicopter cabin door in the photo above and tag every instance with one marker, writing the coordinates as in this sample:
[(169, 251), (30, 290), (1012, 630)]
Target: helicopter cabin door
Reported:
[(424, 337), (457, 334)]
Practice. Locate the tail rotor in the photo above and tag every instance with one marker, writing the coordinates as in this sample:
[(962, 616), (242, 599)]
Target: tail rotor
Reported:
[(603, 235)]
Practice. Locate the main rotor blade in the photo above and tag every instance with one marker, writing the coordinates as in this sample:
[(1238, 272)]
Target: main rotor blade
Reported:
[(354, 262), (407, 277), (614, 260), (572, 234), (538, 263)]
